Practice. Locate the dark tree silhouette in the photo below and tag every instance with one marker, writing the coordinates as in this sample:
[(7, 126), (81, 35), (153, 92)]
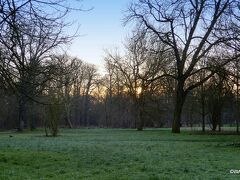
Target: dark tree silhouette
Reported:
[(193, 30), (30, 31)]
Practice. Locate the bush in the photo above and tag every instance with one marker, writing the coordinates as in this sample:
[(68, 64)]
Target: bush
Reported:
[(54, 110)]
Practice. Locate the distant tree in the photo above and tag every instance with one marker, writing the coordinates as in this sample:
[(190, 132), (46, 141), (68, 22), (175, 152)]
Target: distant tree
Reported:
[(66, 74), (90, 74), (234, 74), (237, 96), (110, 68), (217, 92), (53, 114), (144, 59), (117, 102)]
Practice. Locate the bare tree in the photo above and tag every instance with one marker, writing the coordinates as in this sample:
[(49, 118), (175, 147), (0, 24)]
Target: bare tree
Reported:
[(192, 30), (144, 60), (67, 75), (90, 78), (30, 31)]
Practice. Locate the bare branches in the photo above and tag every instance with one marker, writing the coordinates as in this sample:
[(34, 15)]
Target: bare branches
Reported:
[(31, 31), (195, 31), (170, 21)]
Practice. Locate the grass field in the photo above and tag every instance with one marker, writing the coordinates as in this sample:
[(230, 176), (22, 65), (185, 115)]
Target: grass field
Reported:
[(118, 154)]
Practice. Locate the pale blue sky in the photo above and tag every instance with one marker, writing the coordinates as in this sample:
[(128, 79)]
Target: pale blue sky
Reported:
[(101, 28)]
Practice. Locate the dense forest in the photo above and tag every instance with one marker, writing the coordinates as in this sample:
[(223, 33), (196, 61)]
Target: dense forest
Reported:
[(180, 68)]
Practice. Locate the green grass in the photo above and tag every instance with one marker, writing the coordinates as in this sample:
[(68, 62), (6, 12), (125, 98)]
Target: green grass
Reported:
[(117, 154)]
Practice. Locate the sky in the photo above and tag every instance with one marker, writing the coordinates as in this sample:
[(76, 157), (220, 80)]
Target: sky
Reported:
[(100, 28)]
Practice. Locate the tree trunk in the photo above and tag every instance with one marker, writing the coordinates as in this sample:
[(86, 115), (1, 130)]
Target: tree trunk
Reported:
[(220, 125), (214, 127), (237, 124), (86, 102), (32, 122), (21, 113), (203, 122), (32, 118), (203, 112), (68, 115), (106, 113), (237, 119), (215, 119), (140, 110), (140, 119), (85, 113), (214, 122), (216, 115), (180, 99)]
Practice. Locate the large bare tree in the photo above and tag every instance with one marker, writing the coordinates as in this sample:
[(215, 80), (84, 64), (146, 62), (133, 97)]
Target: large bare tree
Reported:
[(30, 31), (193, 30)]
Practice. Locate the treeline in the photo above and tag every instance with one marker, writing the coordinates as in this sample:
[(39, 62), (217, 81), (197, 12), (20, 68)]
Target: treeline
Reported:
[(179, 68), (76, 95)]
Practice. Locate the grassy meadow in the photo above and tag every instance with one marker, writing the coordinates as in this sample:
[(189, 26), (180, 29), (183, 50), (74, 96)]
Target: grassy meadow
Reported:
[(118, 154)]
